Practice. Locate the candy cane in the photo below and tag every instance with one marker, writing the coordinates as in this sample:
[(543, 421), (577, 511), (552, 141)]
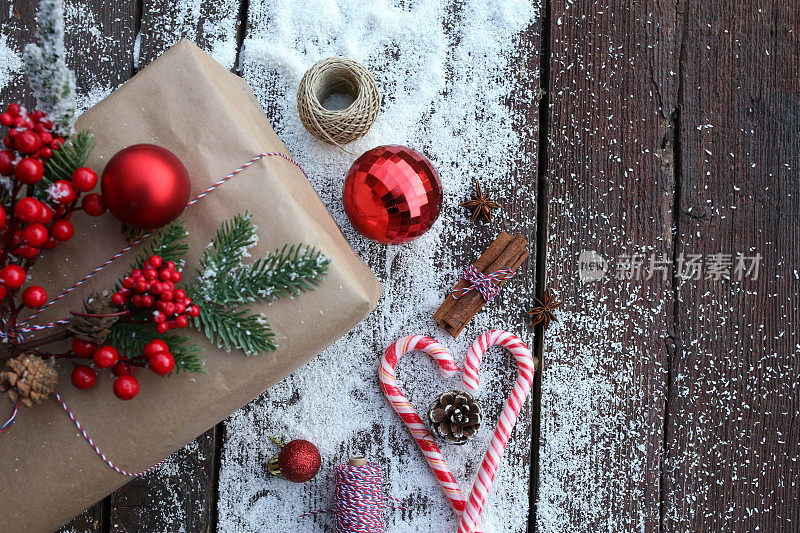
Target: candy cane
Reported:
[(419, 431), (470, 518)]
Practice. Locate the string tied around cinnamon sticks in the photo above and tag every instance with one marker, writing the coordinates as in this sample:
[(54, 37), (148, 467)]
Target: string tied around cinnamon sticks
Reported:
[(486, 284), (505, 254)]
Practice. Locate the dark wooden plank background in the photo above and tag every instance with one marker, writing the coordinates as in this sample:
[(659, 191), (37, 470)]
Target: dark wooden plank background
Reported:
[(666, 127)]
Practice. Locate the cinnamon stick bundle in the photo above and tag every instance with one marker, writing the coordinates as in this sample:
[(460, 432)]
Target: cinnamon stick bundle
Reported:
[(506, 251)]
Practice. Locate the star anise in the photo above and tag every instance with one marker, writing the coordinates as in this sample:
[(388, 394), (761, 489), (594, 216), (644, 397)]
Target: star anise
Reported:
[(544, 311), (480, 204)]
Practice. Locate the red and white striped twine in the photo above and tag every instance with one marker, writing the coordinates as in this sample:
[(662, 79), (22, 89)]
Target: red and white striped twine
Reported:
[(28, 328)]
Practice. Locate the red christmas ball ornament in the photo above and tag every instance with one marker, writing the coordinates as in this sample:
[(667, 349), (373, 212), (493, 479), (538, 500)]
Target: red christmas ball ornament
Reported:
[(298, 461), (126, 387), (392, 194), (145, 186)]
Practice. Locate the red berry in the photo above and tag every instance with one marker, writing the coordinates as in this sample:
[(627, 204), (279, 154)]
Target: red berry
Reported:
[(46, 215), (25, 251), (29, 171), (126, 387), (128, 282), (34, 297), (83, 377), (159, 317), (118, 299), (46, 152), (82, 348), (93, 204), (27, 142), (63, 192), (162, 328), (140, 286), (28, 209), (164, 275), (147, 300), (155, 287), (155, 261), (106, 357), (136, 273), (3, 292), (13, 109), (50, 244), (121, 369), (153, 347), (182, 321), (35, 234), (166, 295), (7, 162), (176, 276), (193, 311), (7, 142), (6, 119), (150, 274), (136, 300), (37, 115), (62, 230), (12, 276), (161, 363), (170, 265), (46, 137), (84, 179)]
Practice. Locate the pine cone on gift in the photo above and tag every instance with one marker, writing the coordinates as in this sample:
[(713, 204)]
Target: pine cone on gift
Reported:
[(94, 329), (455, 416), (28, 378)]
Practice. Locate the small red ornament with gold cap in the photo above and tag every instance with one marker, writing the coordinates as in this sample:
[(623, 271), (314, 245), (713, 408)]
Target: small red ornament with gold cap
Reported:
[(298, 461)]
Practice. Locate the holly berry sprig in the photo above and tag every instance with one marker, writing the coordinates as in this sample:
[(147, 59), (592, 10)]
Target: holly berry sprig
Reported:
[(43, 181), (155, 356), (152, 288)]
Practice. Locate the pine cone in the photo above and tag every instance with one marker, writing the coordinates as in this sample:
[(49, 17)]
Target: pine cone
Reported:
[(455, 416), (95, 329), (28, 378)]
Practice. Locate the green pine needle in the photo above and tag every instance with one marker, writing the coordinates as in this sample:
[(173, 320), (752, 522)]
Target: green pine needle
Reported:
[(130, 339), (224, 282), (229, 246), (70, 157), (235, 329), (169, 244), (286, 272)]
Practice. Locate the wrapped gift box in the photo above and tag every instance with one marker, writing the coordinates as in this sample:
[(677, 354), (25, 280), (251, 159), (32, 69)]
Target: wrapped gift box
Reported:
[(210, 119)]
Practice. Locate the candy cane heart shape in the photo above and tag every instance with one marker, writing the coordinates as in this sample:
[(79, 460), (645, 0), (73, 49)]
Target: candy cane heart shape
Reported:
[(471, 517), (419, 431)]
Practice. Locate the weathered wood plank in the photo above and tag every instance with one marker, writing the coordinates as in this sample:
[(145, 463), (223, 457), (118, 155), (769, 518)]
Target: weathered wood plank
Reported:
[(181, 493), (732, 426), (174, 497), (214, 25), (435, 55), (611, 188)]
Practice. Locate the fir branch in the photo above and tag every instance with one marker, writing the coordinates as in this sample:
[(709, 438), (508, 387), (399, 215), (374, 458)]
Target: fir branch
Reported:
[(169, 244), (70, 157), (130, 338), (52, 82), (286, 272), (229, 247), (235, 329)]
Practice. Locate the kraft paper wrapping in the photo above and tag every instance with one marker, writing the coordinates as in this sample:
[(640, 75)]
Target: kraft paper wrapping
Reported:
[(211, 120)]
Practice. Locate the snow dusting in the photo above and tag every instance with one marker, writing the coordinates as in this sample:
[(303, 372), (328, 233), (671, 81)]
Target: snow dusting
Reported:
[(432, 65)]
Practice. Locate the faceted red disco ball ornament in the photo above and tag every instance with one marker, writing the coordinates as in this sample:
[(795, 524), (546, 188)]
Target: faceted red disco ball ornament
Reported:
[(392, 194)]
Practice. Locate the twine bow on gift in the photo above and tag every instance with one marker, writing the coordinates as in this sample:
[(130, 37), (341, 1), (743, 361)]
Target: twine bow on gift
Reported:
[(486, 284)]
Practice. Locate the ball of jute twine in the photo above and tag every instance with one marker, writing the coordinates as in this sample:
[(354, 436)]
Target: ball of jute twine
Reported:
[(338, 75)]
